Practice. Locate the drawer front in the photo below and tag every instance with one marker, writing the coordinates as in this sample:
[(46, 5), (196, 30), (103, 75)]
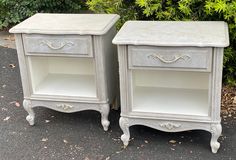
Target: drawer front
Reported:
[(58, 44), (170, 57)]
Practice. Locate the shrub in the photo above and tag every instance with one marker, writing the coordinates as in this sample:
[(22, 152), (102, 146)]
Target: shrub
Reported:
[(126, 9), (14, 11), (220, 10)]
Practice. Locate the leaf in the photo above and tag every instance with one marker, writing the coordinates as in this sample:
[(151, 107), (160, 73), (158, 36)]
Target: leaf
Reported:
[(17, 104), (44, 140), (12, 66), (220, 6), (65, 141), (7, 118), (172, 141), (4, 109), (234, 101)]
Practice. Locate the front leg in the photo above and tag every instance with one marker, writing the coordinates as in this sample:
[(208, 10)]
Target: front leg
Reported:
[(31, 115), (216, 130), (124, 125), (105, 109)]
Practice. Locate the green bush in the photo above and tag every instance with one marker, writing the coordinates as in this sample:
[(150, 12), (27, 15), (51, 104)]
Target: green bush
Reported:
[(14, 11), (213, 10)]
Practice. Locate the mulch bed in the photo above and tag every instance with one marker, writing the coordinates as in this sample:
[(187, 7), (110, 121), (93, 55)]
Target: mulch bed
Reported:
[(228, 102)]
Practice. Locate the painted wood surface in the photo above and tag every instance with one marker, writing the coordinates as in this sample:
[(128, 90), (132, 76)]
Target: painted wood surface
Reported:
[(174, 33), (59, 44), (143, 81), (170, 57), (51, 23), (50, 71)]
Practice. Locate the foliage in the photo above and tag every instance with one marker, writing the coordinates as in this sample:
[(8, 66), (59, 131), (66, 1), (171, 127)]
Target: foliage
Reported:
[(230, 66), (14, 11), (126, 9), (213, 10)]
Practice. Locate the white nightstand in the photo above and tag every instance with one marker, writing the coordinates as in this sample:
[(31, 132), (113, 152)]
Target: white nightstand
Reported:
[(170, 76), (67, 62)]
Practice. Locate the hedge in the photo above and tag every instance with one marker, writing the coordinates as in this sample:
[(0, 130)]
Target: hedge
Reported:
[(14, 11), (176, 10)]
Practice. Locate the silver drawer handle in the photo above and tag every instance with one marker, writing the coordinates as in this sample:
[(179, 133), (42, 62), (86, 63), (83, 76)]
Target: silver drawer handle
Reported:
[(60, 46), (172, 60)]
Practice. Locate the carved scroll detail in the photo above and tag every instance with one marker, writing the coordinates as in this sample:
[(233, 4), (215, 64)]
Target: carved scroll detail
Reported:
[(65, 107), (216, 130), (105, 109), (170, 126), (124, 125), (31, 115)]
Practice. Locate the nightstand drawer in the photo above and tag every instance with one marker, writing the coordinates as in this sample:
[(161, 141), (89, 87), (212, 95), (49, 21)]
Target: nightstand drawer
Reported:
[(58, 44), (170, 57)]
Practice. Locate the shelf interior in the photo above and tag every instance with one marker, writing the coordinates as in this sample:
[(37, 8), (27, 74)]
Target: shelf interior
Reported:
[(170, 92), (63, 76)]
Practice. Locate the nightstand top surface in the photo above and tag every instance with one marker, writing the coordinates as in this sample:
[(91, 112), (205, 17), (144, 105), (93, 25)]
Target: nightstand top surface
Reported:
[(83, 24), (174, 33)]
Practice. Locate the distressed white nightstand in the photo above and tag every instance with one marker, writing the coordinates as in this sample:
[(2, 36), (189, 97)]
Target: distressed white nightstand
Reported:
[(67, 62), (170, 76)]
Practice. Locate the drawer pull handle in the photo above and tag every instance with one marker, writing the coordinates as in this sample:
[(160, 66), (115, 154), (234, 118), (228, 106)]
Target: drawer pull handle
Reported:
[(60, 46), (172, 60), (65, 107)]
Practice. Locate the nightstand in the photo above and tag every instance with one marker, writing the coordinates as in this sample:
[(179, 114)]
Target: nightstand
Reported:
[(171, 75), (67, 62)]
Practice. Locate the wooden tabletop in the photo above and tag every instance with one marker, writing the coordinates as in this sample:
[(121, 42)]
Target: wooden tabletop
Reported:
[(45, 23), (174, 33)]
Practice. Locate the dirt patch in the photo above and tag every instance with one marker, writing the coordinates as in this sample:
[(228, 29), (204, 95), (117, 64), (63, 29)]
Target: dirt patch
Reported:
[(228, 102)]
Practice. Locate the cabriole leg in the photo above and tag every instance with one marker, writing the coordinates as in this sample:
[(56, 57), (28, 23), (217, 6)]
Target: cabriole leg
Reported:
[(105, 109), (216, 130), (124, 125), (31, 115)]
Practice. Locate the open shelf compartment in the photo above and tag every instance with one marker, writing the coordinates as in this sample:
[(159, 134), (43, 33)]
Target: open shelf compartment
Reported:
[(170, 92), (62, 76)]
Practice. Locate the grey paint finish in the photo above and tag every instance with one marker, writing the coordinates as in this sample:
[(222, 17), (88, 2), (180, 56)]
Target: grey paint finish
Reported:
[(50, 23), (167, 47), (93, 47), (174, 33), (62, 44), (170, 57)]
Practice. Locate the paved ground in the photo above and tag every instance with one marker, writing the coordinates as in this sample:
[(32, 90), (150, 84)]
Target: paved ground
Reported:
[(80, 136)]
